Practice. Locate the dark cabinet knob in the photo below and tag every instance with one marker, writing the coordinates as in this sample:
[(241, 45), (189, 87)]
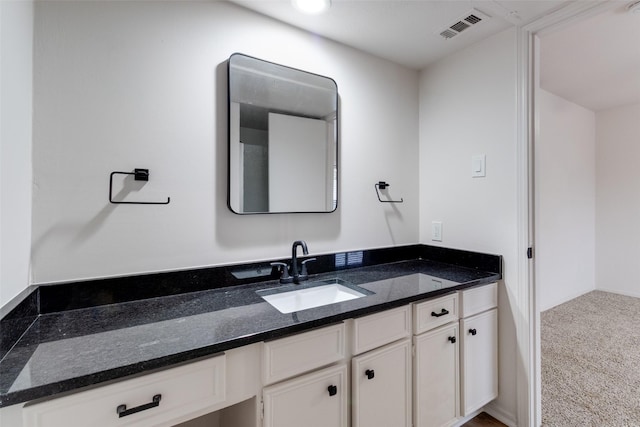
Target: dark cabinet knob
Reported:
[(473, 331), (370, 373), (452, 339), (333, 390)]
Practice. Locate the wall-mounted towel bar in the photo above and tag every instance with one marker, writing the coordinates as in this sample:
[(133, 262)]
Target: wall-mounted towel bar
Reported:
[(383, 185), (138, 175)]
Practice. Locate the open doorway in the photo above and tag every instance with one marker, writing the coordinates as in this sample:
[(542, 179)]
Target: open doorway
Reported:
[(586, 209)]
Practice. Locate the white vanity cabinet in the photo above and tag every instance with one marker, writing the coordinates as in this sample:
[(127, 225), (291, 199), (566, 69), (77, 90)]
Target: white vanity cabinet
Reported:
[(436, 363), (478, 347), (425, 364), (308, 396), (381, 374)]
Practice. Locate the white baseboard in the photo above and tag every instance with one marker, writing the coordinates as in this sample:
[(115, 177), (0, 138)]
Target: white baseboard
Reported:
[(462, 420), (625, 293), (500, 414), (567, 298), (495, 411)]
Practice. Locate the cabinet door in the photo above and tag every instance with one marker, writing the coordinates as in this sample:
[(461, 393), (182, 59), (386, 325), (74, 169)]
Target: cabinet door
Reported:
[(318, 399), (436, 390), (381, 381), (479, 353)]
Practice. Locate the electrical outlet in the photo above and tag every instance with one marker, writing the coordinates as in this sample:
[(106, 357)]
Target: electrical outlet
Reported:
[(436, 231)]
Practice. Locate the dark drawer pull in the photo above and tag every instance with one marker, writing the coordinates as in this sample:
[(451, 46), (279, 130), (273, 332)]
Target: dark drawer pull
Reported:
[(333, 390), (442, 313), (473, 331), (370, 373), (123, 411), (452, 339)]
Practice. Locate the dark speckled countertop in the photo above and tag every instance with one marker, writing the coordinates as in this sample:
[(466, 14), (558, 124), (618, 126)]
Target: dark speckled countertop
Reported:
[(68, 350)]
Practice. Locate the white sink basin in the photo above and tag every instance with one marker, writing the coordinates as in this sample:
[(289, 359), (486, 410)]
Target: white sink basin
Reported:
[(317, 295)]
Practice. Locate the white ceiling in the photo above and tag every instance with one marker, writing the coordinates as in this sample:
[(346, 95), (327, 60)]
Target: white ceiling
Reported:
[(595, 63), (406, 31)]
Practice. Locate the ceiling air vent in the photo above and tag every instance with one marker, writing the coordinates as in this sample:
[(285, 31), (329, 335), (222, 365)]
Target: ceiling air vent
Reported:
[(473, 19), (447, 34), (459, 26), (468, 20)]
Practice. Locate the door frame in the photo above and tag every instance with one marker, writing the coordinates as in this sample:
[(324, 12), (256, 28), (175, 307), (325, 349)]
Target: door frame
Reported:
[(528, 377)]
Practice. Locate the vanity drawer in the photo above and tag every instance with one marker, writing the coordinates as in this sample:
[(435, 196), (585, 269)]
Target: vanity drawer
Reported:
[(182, 390), (380, 329), (433, 313), (477, 300), (290, 356)]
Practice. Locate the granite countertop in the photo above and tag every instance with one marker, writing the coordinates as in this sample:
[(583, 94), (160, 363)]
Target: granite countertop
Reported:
[(68, 350)]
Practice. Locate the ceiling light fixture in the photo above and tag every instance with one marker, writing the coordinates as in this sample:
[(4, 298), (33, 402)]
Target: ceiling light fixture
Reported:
[(634, 8), (311, 7)]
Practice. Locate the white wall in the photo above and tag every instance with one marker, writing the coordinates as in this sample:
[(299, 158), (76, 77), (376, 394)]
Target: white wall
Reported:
[(565, 200), (618, 200), (16, 52), (468, 107), (120, 85)]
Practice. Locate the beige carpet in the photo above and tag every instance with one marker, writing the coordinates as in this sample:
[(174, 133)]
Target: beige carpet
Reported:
[(591, 362)]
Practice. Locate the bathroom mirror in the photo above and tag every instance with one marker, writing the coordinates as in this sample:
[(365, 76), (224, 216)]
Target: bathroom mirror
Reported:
[(283, 139)]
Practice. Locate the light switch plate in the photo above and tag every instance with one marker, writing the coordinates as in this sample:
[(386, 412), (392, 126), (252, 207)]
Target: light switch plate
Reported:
[(478, 166)]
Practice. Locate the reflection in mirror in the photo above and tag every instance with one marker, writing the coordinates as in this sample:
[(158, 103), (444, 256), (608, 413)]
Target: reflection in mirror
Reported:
[(283, 139)]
